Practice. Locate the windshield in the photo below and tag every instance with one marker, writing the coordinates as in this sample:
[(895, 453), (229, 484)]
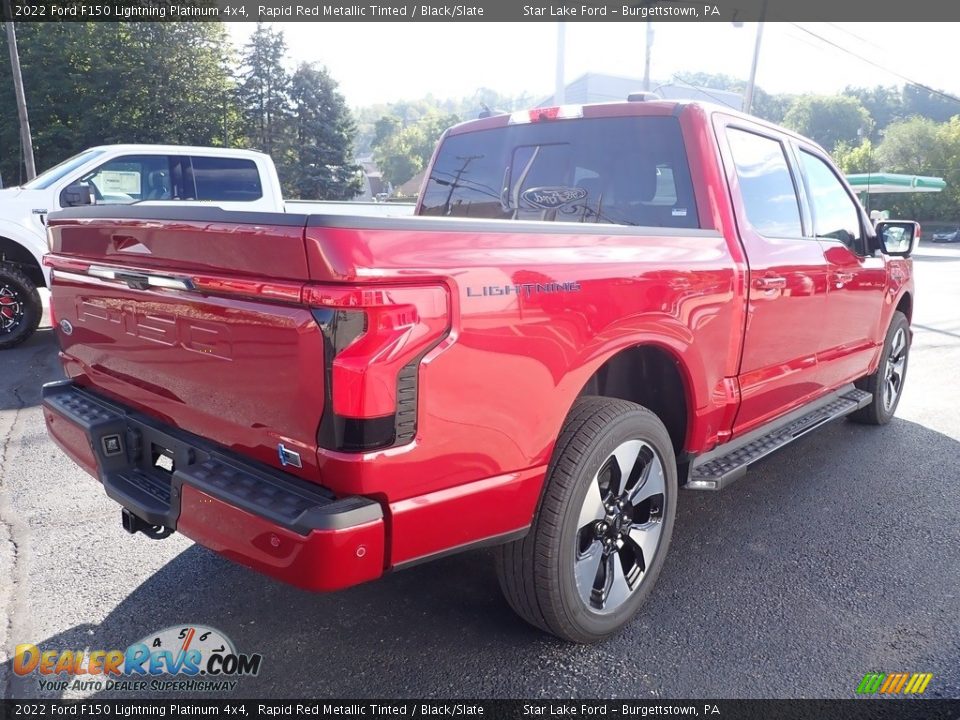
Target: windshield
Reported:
[(49, 177)]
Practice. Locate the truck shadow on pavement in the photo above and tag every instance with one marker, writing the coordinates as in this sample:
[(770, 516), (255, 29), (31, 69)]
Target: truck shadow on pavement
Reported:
[(30, 364), (833, 557)]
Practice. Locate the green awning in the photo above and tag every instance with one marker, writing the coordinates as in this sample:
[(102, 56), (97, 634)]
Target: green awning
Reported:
[(876, 183)]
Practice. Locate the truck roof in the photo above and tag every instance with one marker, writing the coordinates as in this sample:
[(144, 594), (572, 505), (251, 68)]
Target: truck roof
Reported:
[(179, 149), (619, 109)]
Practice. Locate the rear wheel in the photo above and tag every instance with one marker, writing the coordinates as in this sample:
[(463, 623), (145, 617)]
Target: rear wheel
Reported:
[(20, 306), (886, 384), (603, 527)]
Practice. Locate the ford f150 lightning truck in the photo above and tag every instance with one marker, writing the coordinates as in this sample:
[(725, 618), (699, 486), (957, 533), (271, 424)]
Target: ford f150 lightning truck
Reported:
[(593, 307)]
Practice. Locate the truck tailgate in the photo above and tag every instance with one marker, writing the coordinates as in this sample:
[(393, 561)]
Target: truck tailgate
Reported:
[(194, 322)]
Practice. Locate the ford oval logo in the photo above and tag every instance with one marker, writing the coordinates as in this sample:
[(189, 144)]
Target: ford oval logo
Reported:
[(66, 327), (550, 198)]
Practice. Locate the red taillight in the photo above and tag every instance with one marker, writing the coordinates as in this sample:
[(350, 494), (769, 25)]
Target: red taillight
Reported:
[(372, 366)]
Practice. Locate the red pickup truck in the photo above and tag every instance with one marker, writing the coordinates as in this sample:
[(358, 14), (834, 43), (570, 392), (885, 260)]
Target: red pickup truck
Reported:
[(593, 307)]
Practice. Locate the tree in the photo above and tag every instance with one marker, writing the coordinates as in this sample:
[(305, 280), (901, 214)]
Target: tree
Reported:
[(263, 89), (322, 151), (912, 146), (97, 83), (925, 103), (860, 158), (884, 103), (829, 120), (921, 146), (384, 128), (407, 151)]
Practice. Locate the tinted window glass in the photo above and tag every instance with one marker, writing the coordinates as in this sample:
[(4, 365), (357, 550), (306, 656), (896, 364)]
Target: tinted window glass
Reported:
[(627, 171), (131, 178), (767, 188), (834, 213), (229, 179)]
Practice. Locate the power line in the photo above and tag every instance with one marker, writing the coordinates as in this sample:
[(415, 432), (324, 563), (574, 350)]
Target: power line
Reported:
[(858, 37), (903, 77), (679, 79)]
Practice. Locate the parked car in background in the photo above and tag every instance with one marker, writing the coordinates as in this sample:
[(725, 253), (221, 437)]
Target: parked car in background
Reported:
[(235, 180), (947, 236)]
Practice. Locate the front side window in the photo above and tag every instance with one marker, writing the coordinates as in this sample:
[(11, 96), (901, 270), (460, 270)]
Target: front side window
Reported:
[(769, 195), (131, 178), (623, 171), (226, 179), (835, 215)]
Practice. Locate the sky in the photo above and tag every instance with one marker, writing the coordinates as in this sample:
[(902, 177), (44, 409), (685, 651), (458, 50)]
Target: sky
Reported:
[(384, 62)]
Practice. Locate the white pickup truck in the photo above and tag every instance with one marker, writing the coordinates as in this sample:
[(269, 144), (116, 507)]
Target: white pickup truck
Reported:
[(243, 180)]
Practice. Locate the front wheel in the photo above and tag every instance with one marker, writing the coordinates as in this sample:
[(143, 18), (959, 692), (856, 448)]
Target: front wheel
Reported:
[(886, 384), (20, 306), (604, 524)]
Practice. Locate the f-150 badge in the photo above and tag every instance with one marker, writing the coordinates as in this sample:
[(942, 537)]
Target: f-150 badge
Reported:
[(550, 198)]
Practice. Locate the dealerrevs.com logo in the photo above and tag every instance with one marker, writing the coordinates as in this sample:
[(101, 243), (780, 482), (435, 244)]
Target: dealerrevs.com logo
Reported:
[(193, 658)]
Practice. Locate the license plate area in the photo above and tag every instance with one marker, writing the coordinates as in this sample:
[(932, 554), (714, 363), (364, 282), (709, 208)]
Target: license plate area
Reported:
[(162, 460)]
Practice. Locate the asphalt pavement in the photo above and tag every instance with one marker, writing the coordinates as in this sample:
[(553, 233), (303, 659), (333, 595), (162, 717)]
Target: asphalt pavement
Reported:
[(837, 556)]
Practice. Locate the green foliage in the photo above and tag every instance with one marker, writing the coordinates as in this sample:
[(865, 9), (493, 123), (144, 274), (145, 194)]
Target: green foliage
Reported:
[(405, 152), (860, 158), (884, 103), (321, 164), (98, 83), (397, 115), (263, 90), (912, 146), (173, 82), (921, 146), (936, 106), (829, 120)]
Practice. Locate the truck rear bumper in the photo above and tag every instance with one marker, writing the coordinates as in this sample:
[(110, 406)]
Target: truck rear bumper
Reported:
[(275, 523)]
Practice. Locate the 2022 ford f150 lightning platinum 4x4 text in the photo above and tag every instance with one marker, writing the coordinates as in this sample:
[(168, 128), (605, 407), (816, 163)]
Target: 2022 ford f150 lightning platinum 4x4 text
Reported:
[(594, 306)]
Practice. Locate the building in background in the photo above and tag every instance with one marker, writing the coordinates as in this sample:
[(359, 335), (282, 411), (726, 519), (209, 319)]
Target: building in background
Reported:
[(600, 88)]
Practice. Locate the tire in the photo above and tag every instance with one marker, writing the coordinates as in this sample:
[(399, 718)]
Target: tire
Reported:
[(890, 375), (20, 306), (579, 534)]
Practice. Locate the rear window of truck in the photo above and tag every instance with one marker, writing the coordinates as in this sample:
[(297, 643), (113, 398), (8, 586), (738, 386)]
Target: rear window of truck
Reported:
[(622, 171)]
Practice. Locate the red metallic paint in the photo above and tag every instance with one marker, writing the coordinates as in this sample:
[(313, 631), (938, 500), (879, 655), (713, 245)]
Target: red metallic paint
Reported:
[(322, 560), (457, 516), (240, 360)]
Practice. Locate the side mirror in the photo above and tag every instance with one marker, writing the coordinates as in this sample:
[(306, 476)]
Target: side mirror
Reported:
[(898, 237), (76, 194)]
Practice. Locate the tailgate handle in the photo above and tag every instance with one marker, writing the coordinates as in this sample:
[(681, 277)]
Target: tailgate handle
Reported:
[(134, 282), (141, 281)]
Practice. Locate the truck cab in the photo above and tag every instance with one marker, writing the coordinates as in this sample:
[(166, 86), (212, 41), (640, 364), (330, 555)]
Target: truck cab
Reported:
[(116, 174)]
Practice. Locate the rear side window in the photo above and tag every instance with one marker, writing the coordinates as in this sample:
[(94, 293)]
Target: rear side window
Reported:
[(624, 171), (769, 196), (226, 179)]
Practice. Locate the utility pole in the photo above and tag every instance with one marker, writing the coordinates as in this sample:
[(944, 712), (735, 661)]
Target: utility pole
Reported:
[(646, 62), (748, 95), (26, 141), (560, 88)]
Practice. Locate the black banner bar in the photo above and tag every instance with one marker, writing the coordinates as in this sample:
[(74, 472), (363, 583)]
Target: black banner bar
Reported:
[(482, 10), (860, 709)]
